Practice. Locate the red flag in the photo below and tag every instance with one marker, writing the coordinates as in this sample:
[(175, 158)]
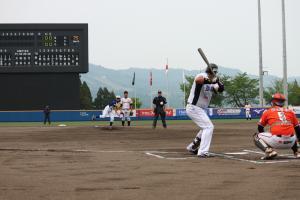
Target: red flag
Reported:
[(151, 78)]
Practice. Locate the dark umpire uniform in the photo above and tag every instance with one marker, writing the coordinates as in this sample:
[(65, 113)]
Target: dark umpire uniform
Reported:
[(47, 115), (159, 109)]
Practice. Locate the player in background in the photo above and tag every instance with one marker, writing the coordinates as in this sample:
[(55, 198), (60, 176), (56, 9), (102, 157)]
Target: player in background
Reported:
[(126, 103), (248, 111), (283, 126), (112, 110), (47, 113), (159, 109), (204, 85)]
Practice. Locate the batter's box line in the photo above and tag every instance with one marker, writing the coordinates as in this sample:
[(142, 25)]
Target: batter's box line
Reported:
[(261, 153), (163, 157), (221, 155)]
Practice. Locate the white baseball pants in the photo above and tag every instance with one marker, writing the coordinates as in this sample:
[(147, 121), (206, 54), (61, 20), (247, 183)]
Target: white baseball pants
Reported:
[(283, 142), (248, 114), (125, 115), (109, 112), (199, 117)]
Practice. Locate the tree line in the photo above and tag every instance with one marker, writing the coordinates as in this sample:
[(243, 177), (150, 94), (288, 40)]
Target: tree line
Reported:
[(239, 90), (103, 98), (242, 89)]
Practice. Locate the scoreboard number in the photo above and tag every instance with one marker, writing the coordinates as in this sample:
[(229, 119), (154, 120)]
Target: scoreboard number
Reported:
[(43, 48)]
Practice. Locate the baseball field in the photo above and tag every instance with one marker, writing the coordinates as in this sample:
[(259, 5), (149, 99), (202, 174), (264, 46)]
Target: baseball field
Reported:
[(86, 161)]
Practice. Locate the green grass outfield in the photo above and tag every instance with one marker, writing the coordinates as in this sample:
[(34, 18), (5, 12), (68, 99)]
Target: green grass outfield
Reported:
[(101, 123)]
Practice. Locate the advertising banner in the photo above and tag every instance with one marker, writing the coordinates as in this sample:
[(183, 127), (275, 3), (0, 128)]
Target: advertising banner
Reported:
[(228, 111), (150, 113), (297, 110), (181, 112), (257, 111)]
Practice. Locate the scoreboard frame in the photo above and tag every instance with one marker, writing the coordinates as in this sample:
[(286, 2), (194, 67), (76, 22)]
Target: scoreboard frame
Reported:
[(83, 53)]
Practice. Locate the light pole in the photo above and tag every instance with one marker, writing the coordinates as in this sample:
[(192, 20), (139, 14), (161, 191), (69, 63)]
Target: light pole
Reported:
[(285, 85), (261, 83)]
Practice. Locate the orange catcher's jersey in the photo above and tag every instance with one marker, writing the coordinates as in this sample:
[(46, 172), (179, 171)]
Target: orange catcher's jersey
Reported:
[(281, 120)]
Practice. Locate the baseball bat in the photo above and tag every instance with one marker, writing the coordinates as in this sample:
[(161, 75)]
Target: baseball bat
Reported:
[(203, 56), (205, 60)]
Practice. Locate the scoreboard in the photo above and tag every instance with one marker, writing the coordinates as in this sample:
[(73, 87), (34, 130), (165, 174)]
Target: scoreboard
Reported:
[(40, 65), (43, 48)]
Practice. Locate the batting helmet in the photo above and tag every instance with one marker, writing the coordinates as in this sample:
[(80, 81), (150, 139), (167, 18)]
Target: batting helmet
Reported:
[(212, 67), (278, 99)]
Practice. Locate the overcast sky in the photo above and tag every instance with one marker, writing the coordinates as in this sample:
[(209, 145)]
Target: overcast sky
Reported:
[(143, 33)]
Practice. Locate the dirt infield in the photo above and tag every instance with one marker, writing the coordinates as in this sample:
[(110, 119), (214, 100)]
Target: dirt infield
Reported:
[(93, 163)]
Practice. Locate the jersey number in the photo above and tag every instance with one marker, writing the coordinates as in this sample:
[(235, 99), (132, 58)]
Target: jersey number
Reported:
[(282, 117)]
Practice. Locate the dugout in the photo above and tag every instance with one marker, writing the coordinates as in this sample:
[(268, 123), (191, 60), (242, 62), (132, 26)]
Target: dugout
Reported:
[(40, 64)]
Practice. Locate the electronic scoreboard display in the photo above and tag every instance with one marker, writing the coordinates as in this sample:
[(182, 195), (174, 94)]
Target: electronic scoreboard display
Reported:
[(30, 48)]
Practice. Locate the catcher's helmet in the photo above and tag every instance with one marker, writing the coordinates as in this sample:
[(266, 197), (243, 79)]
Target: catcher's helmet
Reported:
[(278, 99), (212, 67)]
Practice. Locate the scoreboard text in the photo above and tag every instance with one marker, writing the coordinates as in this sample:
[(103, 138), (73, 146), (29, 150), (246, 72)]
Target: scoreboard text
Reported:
[(43, 48)]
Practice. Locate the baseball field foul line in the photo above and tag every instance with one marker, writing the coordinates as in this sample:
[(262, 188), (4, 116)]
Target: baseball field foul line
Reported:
[(67, 150)]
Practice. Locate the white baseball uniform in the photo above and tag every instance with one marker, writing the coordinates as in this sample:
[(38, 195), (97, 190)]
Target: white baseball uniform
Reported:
[(108, 112), (126, 106), (199, 99), (276, 142), (111, 111), (248, 111)]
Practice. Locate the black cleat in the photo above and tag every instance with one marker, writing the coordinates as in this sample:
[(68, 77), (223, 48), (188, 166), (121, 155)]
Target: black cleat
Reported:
[(206, 155)]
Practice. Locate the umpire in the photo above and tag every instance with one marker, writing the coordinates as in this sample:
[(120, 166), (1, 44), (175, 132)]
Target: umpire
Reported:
[(47, 112), (159, 109)]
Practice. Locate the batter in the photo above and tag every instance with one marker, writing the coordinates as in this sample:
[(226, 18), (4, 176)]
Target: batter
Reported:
[(205, 84)]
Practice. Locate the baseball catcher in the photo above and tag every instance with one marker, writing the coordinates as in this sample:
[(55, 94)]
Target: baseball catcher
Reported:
[(283, 126), (204, 85)]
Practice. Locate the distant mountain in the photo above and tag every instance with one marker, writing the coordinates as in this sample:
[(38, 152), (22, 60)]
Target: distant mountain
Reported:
[(120, 80)]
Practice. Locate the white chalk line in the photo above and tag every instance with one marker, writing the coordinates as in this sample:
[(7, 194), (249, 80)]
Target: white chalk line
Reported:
[(154, 155), (237, 153), (261, 153), (222, 155), (67, 150), (228, 155), (251, 161)]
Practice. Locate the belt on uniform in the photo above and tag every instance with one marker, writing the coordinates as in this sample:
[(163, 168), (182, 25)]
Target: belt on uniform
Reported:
[(285, 135)]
